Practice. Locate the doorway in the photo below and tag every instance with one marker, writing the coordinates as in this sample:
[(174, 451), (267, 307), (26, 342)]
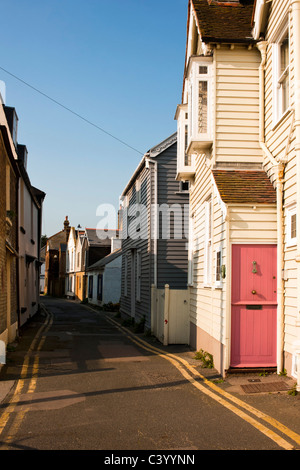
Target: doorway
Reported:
[(254, 306)]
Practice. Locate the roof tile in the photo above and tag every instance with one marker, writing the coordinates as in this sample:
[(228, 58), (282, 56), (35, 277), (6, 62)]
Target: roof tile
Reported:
[(224, 20), (240, 187)]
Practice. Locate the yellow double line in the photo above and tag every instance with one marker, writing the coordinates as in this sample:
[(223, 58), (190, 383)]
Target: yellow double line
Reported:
[(224, 398), (27, 372), (229, 401)]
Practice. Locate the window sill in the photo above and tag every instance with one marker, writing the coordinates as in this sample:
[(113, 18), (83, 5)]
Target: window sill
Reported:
[(218, 286), (281, 119)]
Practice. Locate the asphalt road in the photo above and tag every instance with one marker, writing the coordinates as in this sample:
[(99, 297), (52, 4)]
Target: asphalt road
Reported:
[(82, 382)]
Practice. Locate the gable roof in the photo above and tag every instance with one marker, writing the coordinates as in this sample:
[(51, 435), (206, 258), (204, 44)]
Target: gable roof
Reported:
[(56, 240), (154, 152), (243, 187), (95, 241), (224, 21), (107, 259)]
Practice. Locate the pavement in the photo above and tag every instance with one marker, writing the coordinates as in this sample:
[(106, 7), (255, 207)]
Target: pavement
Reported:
[(267, 391)]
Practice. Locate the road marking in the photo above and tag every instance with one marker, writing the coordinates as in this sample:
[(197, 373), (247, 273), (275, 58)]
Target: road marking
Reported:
[(175, 360), (35, 346)]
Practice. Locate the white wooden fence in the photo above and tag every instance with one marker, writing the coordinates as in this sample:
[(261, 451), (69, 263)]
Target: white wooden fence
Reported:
[(170, 315)]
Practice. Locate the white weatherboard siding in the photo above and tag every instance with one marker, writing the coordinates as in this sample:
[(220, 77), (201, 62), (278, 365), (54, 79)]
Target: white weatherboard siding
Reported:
[(111, 283), (207, 300), (237, 105), (253, 224), (236, 145), (280, 140)]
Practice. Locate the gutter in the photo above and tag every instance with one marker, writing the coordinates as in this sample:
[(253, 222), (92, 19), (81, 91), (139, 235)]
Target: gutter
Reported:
[(153, 215)]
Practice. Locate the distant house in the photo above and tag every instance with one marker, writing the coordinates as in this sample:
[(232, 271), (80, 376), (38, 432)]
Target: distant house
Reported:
[(104, 279), (42, 270), (55, 262), (80, 271), (85, 248), (70, 264), (98, 246), (154, 237)]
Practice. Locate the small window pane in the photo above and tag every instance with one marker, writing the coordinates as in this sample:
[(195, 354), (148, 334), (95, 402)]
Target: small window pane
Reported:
[(202, 109), (218, 266), (284, 54), (184, 185)]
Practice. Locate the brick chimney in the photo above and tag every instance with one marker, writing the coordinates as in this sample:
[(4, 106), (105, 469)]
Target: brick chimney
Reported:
[(67, 227)]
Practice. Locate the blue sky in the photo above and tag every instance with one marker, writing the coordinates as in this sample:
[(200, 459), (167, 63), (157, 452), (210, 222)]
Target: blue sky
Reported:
[(118, 64)]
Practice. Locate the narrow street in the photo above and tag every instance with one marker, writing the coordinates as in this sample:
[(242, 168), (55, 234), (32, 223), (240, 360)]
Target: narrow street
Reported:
[(80, 381)]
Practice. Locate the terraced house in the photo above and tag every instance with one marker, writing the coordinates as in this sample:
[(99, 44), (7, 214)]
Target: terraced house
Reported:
[(9, 176), (237, 147), (154, 245), (277, 32), (20, 231)]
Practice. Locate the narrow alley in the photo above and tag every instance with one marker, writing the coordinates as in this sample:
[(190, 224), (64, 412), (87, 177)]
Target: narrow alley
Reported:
[(82, 381)]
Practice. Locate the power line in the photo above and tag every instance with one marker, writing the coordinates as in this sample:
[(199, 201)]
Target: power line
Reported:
[(70, 110)]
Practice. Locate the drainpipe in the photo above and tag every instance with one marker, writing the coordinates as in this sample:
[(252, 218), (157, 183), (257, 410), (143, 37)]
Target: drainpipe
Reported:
[(295, 6), (278, 168), (154, 219)]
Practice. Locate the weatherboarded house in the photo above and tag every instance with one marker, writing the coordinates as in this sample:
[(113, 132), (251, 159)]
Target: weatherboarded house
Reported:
[(276, 28), (233, 220), (154, 233)]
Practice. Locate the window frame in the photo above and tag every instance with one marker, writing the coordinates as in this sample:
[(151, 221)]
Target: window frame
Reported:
[(208, 233), (126, 275), (196, 77), (138, 275), (90, 287), (279, 77), (291, 212), (181, 190), (100, 287), (218, 281)]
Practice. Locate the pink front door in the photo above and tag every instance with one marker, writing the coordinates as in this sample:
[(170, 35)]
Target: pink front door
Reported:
[(254, 306)]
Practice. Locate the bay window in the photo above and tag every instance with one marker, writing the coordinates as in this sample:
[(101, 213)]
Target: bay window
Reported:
[(194, 117), (200, 97)]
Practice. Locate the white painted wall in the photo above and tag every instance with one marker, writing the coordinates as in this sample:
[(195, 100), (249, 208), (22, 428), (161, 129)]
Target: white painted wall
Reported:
[(111, 282), (28, 246)]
